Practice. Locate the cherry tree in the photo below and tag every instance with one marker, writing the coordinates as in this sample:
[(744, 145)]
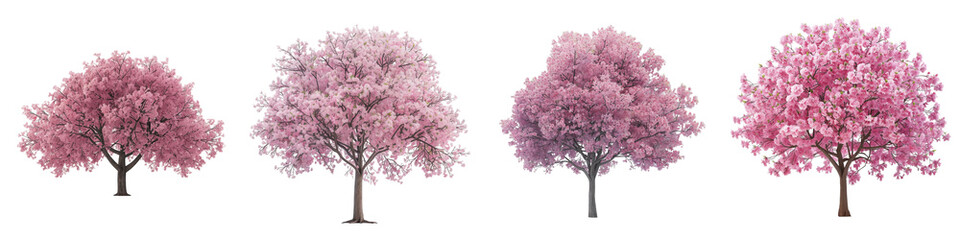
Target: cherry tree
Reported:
[(122, 109), (602, 100), (365, 99), (846, 95)]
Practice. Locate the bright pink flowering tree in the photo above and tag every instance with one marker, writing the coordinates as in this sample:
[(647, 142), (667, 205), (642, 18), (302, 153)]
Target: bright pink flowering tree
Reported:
[(848, 96), (365, 99), (601, 100), (121, 109)]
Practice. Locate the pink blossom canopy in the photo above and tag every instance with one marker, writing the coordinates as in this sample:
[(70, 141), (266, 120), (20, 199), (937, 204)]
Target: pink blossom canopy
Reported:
[(601, 98), (843, 93), (363, 98), (121, 105)]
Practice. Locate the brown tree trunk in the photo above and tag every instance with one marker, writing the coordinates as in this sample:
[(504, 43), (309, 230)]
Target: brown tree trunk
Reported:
[(844, 210), (358, 199), (592, 201), (122, 183), (122, 178)]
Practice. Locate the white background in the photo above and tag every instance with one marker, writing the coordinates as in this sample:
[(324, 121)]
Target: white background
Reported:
[(484, 52)]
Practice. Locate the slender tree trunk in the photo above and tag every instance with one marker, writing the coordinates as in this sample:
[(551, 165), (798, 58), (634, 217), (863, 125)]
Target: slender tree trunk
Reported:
[(592, 200), (844, 210), (358, 199), (122, 178)]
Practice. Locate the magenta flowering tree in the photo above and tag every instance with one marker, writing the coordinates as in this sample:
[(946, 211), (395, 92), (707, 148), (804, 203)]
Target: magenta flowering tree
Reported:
[(848, 96), (364, 99), (123, 109), (601, 100)]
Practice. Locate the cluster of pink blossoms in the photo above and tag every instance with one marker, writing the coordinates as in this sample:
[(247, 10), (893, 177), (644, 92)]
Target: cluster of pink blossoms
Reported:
[(601, 98), (121, 106), (366, 99), (845, 94)]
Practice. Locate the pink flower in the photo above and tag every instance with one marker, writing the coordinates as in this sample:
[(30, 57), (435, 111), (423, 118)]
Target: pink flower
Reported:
[(854, 108), (123, 109)]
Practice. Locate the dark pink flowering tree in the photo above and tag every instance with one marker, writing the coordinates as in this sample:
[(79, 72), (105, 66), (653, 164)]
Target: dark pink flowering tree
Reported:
[(848, 96), (122, 109), (364, 99), (601, 100)]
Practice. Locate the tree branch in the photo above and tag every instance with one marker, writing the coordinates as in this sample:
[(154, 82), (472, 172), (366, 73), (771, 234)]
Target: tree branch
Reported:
[(135, 161), (112, 162)]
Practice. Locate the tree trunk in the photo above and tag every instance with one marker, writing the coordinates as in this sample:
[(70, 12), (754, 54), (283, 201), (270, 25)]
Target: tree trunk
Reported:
[(844, 210), (358, 199), (592, 200), (122, 178), (121, 183)]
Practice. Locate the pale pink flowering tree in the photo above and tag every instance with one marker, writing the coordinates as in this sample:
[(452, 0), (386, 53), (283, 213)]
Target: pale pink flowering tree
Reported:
[(364, 99), (122, 109), (848, 96), (601, 100)]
